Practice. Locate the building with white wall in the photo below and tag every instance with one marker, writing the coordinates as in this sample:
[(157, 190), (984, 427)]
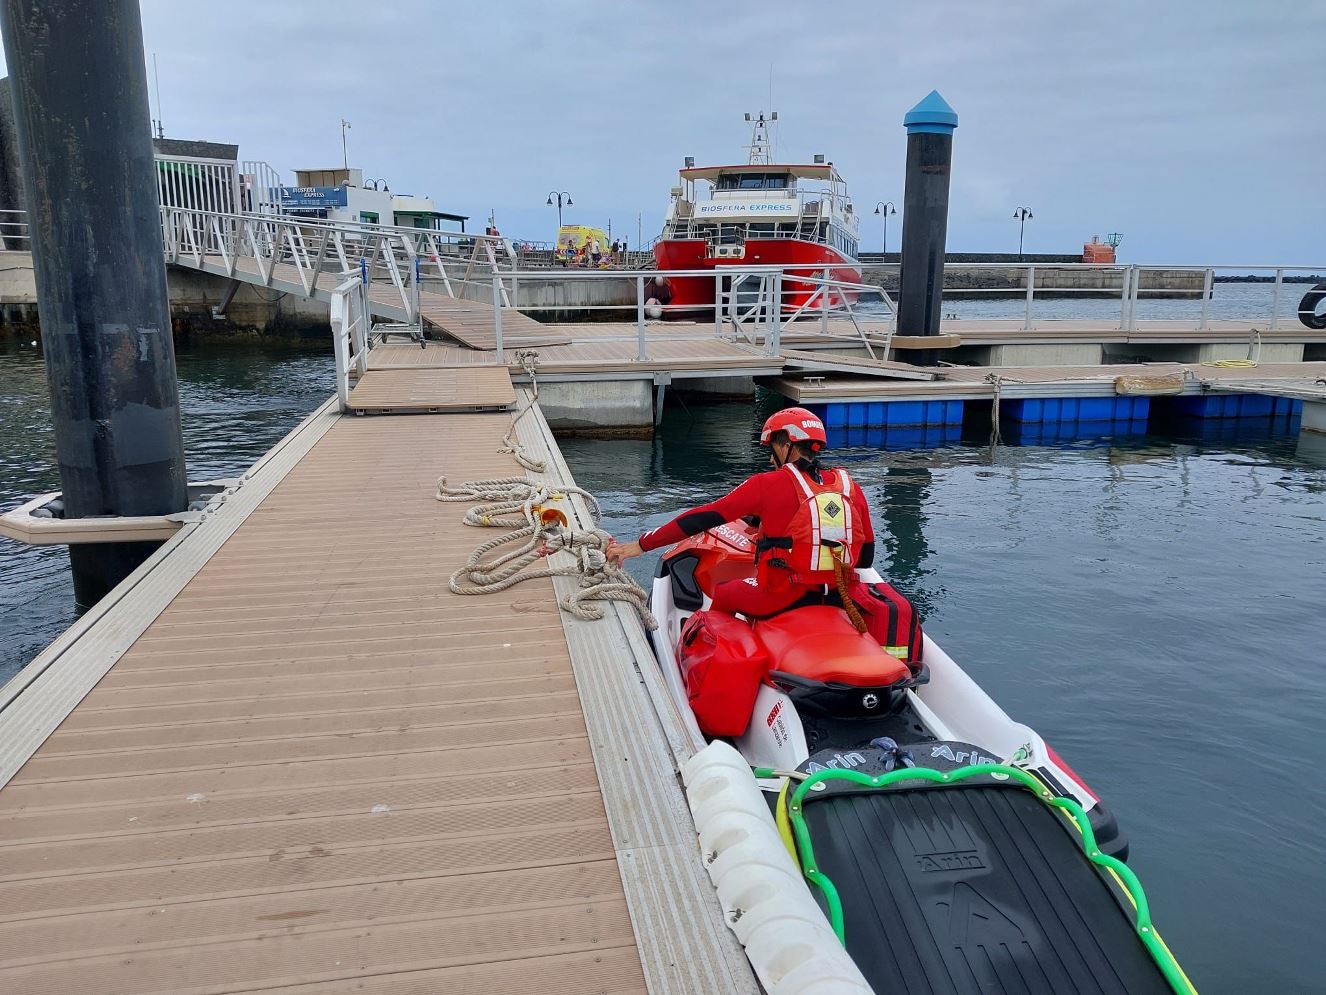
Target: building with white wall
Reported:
[(341, 194)]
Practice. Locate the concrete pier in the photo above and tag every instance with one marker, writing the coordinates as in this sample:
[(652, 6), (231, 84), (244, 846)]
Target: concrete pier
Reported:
[(620, 407)]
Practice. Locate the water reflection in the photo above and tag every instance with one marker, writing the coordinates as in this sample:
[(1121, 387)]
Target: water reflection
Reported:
[(899, 512)]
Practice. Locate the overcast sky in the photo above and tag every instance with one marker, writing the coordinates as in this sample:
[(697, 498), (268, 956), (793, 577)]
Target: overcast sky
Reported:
[(1197, 129)]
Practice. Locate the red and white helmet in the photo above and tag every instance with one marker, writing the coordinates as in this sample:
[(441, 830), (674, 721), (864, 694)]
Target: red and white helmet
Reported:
[(799, 424)]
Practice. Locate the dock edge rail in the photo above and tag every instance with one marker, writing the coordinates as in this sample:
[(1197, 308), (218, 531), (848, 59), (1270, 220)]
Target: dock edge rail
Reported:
[(639, 745)]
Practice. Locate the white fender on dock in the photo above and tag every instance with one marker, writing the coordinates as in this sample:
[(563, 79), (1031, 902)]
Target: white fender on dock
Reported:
[(765, 900)]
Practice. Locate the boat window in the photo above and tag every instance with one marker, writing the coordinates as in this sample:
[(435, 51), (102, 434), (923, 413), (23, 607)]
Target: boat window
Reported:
[(752, 181)]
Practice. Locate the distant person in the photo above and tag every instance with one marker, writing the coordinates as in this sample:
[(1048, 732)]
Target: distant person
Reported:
[(595, 251), (616, 247)]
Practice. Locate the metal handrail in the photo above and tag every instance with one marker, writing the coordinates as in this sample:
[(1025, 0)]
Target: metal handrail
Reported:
[(14, 231), (350, 333), (1130, 289), (345, 226), (319, 246)]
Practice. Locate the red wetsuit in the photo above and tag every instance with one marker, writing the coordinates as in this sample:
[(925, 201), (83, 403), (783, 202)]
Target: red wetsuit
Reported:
[(773, 497)]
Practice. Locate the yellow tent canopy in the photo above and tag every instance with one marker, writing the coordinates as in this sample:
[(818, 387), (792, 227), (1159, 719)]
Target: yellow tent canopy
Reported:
[(574, 239)]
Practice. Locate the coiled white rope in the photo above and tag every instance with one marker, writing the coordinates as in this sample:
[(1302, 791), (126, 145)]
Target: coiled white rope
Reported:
[(539, 531)]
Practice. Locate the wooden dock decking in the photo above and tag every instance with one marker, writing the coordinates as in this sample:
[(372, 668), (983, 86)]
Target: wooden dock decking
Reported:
[(318, 770), (431, 389)]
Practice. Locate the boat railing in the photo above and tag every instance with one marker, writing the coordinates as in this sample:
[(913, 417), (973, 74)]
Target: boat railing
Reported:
[(714, 230)]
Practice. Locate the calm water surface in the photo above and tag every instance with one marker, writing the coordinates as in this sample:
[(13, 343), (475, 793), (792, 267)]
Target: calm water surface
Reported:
[(1154, 608)]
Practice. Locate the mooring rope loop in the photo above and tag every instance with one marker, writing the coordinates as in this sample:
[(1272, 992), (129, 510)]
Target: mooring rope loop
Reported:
[(540, 530), (996, 436), (529, 361)]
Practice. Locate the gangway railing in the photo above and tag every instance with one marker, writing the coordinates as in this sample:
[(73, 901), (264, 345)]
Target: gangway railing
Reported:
[(14, 236), (316, 248), (351, 332), (783, 299), (755, 305)]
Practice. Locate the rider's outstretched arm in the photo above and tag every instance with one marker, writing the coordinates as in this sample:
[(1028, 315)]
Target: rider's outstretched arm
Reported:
[(748, 499)]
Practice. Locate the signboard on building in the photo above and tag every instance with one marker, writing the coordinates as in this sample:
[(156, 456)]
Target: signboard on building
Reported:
[(295, 198), (747, 209)]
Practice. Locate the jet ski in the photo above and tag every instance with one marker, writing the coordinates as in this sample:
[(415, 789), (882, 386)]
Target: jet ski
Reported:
[(963, 854)]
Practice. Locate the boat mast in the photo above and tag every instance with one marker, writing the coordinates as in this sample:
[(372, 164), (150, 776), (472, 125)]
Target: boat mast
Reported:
[(761, 153)]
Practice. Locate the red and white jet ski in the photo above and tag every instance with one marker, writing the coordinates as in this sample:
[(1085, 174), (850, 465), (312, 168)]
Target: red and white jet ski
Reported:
[(961, 887)]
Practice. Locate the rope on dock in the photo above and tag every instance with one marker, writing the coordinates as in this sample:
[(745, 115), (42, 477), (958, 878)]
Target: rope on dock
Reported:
[(528, 360), (539, 529), (996, 436)]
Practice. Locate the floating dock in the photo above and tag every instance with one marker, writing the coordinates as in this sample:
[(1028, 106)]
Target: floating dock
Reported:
[(283, 756)]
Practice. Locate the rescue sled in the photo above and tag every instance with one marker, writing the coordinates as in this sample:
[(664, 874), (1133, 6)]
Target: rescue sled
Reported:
[(964, 854)]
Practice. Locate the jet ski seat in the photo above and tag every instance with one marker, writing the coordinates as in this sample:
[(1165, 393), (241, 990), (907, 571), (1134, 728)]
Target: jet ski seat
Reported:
[(818, 643)]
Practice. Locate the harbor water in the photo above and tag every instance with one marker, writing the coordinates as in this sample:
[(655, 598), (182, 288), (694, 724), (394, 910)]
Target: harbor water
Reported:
[(1152, 605)]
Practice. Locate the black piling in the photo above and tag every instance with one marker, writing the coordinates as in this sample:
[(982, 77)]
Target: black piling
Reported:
[(81, 118), (930, 127)]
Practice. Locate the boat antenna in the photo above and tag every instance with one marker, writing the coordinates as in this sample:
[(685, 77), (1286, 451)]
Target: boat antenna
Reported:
[(156, 79)]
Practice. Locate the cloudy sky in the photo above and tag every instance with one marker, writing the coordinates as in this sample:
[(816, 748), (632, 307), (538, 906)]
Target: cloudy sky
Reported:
[(1197, 129)]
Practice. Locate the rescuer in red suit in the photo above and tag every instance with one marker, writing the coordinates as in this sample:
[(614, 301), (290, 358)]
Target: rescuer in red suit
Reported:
[(808, 516)]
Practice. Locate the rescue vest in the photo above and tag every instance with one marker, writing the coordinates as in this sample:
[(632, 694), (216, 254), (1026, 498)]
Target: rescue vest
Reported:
[(821, 531)]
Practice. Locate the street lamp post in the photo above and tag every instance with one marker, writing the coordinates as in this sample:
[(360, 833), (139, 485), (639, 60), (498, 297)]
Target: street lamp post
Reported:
[(1022, 215), (559, 195), (345, 152), (884, 209)]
